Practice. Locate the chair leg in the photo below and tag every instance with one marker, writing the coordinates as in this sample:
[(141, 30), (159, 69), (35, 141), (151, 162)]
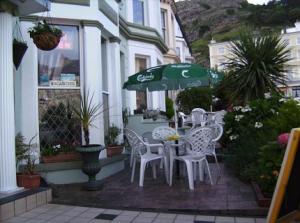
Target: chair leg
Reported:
[(131, 157), (133, 169), (142, 172), (189, 167), (154, 170), (217, 163), (171, 172), (166, 167), (201, 171), (208, 170)]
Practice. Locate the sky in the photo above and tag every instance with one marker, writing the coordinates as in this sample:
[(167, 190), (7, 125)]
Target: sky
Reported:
[(260, 2)]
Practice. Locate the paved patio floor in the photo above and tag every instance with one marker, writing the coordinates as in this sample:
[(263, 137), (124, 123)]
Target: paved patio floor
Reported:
[(53, 213), (229, 196)]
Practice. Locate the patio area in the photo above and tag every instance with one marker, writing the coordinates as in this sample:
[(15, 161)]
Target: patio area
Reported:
[(228, 196)]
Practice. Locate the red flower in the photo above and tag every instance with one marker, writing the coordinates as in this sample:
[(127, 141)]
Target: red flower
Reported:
[(283, 138)]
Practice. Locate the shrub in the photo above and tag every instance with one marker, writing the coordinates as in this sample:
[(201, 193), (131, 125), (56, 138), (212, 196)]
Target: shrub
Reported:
[(245, 132), (266, 169), (250, 135), (197, 97), (169, 108)]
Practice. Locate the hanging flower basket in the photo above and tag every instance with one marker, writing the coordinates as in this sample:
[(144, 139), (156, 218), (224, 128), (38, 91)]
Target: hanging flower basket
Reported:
[(19, 49), (45, 37)]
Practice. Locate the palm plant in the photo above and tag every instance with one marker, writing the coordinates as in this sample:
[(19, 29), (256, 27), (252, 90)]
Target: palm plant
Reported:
[(87, 114), (256, 66)]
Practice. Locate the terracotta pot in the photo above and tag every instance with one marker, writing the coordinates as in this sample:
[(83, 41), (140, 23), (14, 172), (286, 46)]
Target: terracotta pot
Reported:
[(46, 41), (114, 150), (28, 181), (262, 201), (62, 157)]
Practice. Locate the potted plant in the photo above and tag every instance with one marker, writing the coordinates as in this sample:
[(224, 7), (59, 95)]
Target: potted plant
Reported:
[(112, 146), (45, 36), (19, 50), (28, 178), (87, 114)]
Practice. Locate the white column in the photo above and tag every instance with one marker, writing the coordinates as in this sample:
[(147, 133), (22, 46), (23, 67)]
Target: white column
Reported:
[(93, 77), (7, 120), (114, 82)]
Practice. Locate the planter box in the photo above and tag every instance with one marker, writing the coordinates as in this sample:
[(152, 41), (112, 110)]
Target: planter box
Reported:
[(28, 181), (262, 201), (114, 150), (62, 157)]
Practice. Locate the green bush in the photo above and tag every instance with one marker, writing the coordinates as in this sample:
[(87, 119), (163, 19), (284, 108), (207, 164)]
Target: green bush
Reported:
[(197, 97), (169, 108), (112, 134), (266, 170), (250, 135)]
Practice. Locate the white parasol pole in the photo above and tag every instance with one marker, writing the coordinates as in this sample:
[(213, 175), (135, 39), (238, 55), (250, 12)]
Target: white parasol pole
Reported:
[(176, 117)]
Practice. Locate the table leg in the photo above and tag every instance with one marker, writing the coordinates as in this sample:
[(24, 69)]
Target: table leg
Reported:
[(201, 170), (177, 162)]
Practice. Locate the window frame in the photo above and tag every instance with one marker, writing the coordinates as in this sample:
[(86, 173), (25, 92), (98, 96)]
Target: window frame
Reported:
[(164, 29), (81, 57), (144, 12)]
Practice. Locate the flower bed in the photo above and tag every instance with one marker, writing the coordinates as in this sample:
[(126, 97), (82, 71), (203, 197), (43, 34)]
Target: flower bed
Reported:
[(250, 136)]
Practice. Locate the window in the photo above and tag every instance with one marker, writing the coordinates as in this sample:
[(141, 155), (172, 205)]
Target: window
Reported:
[(286, 41), (163, 15), (60, 67), (59, 92), (138, 12), (296, 92), (298, 40), (178, 51), (221, 50), (141, 96)]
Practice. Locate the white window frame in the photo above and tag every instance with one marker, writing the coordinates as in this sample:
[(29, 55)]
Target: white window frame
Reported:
[(144, 23), (164, 12), (81, 57)]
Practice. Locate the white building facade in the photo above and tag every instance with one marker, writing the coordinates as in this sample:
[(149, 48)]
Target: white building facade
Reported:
[(104, 42)]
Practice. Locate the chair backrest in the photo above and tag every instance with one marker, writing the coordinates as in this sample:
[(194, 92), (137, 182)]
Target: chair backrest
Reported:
[(135, 141), (161, 133), (217, 131), (199, 139), (198, 116), (219, 117)]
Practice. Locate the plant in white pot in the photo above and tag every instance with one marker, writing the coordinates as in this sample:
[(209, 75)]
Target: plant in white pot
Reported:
[(88, 114)]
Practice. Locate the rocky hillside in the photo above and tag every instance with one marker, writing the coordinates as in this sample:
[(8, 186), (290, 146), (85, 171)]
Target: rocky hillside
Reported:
[(203, 20)]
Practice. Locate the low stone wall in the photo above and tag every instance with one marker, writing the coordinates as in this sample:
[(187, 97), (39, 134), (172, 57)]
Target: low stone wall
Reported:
[(70, 172), (23, 201)]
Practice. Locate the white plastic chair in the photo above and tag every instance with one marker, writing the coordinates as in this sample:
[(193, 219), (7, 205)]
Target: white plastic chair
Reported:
[(198, 117), (162, 133), (219, 117), (198, 140), (142, 152), (211, 149), (186, 119)]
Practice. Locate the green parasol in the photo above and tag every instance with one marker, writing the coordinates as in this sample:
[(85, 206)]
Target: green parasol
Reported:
[(172, 77)]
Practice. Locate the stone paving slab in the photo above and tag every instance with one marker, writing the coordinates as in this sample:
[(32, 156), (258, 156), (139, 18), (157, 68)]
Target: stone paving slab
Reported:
[(95, 215), (228, 195)]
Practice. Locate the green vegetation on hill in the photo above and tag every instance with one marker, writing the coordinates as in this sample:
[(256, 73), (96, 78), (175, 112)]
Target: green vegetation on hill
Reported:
[(221, 20)]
